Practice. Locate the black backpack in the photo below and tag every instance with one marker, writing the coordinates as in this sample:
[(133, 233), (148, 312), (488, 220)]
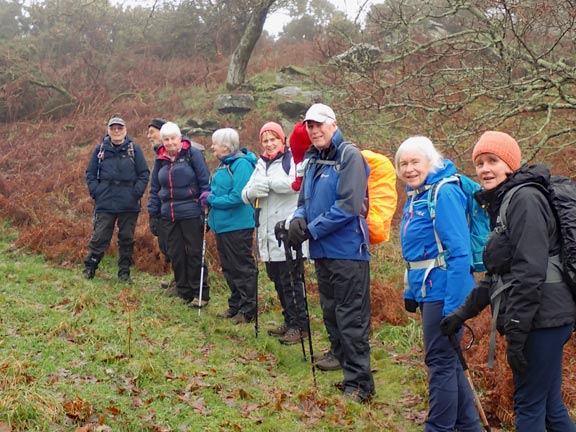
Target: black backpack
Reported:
[(561, 194)]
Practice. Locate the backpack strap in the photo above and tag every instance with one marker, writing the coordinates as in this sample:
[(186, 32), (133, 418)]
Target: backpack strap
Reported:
[(286, 159)]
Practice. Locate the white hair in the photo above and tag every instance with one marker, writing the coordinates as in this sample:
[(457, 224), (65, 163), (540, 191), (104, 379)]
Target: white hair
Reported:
[(169, 129), (422, 146), (228, 138)]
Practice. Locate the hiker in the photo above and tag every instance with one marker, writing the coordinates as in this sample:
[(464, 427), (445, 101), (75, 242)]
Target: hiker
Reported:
[(269, 189), (330, 215), (179, 177), (437, 288), (232, 222), (535, 309), (117, 176)]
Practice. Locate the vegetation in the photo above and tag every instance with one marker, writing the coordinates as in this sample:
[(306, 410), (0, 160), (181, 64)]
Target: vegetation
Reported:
[(97, 355)]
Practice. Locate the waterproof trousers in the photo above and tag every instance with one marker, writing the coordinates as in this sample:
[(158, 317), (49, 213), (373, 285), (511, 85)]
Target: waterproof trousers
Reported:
[(538, 404), (104, 224), (184, 239), (451, 401), (239, 269), (290, 290), (344, 287)]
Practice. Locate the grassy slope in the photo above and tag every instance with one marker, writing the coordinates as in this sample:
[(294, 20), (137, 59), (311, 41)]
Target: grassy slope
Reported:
[(98, 355)]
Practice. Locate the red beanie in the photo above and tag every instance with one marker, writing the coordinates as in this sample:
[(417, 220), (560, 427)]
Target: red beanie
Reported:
[(273, 127), (299, 142), (500, 144)]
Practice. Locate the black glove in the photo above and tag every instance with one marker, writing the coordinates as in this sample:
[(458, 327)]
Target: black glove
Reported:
[(410, 305), (280, 232), (451, 324), (154, 225), (298, 232), (515, 352)]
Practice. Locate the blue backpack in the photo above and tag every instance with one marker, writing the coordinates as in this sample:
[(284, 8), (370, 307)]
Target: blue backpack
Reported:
[(478, 220)]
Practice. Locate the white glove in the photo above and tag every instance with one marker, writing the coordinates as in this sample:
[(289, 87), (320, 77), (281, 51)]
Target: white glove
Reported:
[(259, 190)]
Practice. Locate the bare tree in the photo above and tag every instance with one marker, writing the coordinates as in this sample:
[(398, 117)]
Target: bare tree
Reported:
[(241, 55), (454, 68)]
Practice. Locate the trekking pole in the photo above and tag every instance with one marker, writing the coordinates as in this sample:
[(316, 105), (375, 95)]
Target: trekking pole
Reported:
[(282, 237), (202, 263), (256, 253), (300, 269), (458, 349)]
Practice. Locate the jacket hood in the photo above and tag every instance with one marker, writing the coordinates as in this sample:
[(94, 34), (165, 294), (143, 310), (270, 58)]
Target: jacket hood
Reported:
[(243, 152)]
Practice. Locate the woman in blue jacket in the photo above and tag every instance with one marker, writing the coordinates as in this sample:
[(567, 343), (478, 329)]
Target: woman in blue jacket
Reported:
[(437, 283), (232, 222), (180, 176)]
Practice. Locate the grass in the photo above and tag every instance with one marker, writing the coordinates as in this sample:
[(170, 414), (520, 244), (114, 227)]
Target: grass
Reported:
[(100, 355)]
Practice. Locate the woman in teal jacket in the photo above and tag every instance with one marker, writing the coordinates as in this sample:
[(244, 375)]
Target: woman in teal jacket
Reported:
[(232, 221)]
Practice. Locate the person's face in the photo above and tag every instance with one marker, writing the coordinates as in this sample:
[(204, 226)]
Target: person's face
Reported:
[(491, 170), (271, 143), (320, 133), (117, 133), (219, 150), (414, 168), (172, 143), (153, 136)]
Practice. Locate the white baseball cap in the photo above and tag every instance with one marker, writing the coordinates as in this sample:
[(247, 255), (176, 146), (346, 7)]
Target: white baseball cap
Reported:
[(319, 113)]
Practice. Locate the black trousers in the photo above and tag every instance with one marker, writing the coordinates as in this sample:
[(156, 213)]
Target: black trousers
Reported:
[(104, 224), (239, 269), (290, 290), (184, 239), (344, 287)]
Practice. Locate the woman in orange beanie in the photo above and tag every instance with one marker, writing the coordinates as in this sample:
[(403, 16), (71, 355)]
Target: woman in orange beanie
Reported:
[(531, 304)]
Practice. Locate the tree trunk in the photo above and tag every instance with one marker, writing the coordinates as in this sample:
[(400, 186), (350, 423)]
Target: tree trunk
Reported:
[(242, 53)]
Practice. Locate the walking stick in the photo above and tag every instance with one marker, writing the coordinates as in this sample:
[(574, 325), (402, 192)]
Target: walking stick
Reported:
[(257, 224), (203, 261), (458, 349), (282, 237), (300, 269)]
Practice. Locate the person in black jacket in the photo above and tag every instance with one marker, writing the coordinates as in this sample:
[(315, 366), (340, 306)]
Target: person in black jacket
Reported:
[(531, 304), (117, 176), (179, 177)]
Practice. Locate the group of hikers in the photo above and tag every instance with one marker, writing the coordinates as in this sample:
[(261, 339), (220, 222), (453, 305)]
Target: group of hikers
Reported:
[(310, 200)]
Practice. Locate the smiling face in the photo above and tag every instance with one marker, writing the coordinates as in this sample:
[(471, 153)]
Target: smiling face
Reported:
[(117, 133), (321, 133), (491, 170), (271, 143), (172, 143), (414, 168)]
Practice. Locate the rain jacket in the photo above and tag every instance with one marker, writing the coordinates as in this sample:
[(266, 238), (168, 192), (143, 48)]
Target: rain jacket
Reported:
[(520, 256), (333, 202), (450, 283), (227, 210), (176, 185), (117, 176)]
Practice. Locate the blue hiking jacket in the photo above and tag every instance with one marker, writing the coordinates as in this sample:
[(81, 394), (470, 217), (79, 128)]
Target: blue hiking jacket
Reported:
[(227, 210), (332, 200), (117, 176), (453, 282), (176, 185)]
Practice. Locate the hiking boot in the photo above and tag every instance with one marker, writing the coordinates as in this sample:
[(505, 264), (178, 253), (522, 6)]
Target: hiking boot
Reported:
[(228, 313), (197, 303), (278, 331), (125, 277), (242, 318), (328, 362), (88, 273), (340, 386), (171, 291), (355, 395), (293, 336), (165, 285)]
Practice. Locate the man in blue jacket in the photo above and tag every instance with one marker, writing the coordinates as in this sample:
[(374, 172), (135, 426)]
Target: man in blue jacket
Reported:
[(117, 176), (331, 214)]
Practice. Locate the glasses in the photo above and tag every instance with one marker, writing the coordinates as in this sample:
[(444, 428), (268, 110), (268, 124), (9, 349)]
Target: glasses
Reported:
[(116, 128)]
